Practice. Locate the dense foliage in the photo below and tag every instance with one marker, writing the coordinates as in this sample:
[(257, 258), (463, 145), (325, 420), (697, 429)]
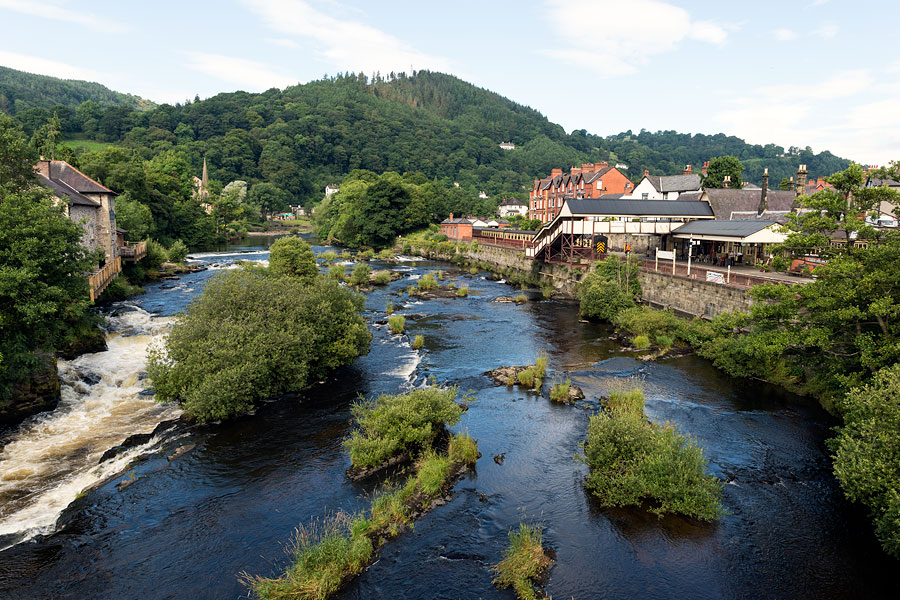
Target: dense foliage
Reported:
[(293, 257), (722, 167), (633, 461), (608, 289), (395, 423), (252, 335), (43, 284)]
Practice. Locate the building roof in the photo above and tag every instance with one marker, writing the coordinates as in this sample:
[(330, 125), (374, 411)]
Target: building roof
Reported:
[(638, 208), (64, 192), (736, 229), (61, 171), (726, 201), (593, 176), (876, 182), (512, 202), (674, 183), (457, 220)]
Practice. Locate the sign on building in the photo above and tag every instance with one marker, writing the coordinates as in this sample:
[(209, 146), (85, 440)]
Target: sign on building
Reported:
[(715, 277)]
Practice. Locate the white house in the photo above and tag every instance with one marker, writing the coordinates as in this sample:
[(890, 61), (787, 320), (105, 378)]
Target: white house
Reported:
[(331, 189), (665, 187), (511, 207), (507, 146)]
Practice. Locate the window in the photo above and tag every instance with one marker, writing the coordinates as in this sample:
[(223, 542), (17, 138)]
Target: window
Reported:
[(644, 196)]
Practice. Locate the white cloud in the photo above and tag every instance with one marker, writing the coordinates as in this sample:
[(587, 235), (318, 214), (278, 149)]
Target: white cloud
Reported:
[(347, 44), (283, 42), (827, 31), (655, 27), (841, 85), (249, 74), (785, 35), (43, 66), (56, 11)]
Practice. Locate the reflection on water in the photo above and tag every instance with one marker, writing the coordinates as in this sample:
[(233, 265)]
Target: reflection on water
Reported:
[(186, 529)]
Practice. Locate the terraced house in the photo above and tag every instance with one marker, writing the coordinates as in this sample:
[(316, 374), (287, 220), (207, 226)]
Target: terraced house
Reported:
[(590, 180)]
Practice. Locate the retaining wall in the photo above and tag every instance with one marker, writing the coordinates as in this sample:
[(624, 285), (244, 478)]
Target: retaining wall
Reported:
[(695, 297)]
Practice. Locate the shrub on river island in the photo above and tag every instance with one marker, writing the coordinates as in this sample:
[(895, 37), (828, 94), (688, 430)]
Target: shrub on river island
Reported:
[(559, 392), (177, 252), (634, 462), (328, 255), (463, 291), (397, 323), (386, 254), (251, 336), (389, 309), (521, 299), (643, 320), (394, 423), (418, 342), (427, 282), (462, 449), (431, 472), (641, 342), (292, 256), (526, 378), (381, 277), (523, 562), (337, 272), (360, 274)]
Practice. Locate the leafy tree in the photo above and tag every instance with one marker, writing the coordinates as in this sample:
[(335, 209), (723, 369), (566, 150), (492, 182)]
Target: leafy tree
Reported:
[(786, 185), (721, 166), (135, 218), (252, 335), (17, 158), (47, 137), (292, 256), (383, 205), (269, 197)]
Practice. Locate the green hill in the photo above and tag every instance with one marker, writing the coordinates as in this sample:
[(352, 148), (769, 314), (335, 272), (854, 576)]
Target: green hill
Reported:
[(306, 136), (20, 91)]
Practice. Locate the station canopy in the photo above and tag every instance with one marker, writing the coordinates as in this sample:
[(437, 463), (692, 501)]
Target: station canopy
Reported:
[(751, 231)]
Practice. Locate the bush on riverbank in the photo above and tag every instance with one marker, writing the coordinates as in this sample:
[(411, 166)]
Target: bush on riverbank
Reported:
[(360, 274), (867, 453), (643, 320), (293, 257), (634, 462), (524, 561), (397, 324), (396, 423), (337, 272), (251, 336)]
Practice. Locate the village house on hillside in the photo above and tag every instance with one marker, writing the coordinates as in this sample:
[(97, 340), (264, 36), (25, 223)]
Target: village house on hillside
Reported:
[(587, 181), (510, 207), (86, 202)]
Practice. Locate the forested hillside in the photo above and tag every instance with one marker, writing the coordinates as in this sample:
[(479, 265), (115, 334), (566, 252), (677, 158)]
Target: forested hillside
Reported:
[(20, 91), (309, 135)]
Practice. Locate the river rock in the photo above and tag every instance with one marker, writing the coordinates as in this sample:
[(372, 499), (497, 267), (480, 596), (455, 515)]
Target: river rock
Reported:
[(575, 393), (504, 299), (92, 339), (180, 451), (38, 393), (500, 458), (137, 440)]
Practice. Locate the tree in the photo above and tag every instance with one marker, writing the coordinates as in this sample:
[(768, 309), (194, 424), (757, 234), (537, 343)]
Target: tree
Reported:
[(17, 158), (786, 185), (43, 282), (292, 257), (269, 197), (47, 137), (252, 335), (721, 166), (383, 206), (135, 218)]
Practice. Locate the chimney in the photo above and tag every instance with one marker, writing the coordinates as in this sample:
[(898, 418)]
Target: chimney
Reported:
[(764, 194), (646, 173), (451, 216), (574, 170), (727, 182), (687, 170), (703, 170), (603, 164), (555, 172), (43, 167), (800, 186), (587, 167)]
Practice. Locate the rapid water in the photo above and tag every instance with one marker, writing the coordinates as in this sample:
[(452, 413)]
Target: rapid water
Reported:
[(190, 527)]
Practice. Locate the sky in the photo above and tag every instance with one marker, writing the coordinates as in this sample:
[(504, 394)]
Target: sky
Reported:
[(818, 73)]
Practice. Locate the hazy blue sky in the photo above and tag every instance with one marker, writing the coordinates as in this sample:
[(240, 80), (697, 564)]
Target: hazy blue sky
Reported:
[(823, 73)]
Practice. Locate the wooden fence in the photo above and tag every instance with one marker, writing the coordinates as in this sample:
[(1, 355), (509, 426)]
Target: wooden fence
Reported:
[(102, 278), (133, 251)]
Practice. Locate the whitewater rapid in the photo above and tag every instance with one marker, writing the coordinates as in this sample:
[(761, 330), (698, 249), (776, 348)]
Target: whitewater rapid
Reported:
[(54, 456)]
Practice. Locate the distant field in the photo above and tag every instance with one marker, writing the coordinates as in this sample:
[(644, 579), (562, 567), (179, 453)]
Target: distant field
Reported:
[(88, 145)]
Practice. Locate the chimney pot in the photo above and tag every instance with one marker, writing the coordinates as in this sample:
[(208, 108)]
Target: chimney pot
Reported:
[(646, 173), (727, 181), (687, 170)]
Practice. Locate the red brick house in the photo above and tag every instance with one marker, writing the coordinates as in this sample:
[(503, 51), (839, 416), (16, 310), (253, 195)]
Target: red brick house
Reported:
[(590, 180)]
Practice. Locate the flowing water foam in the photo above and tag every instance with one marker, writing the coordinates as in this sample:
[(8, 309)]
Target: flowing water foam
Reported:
[(50, 459)]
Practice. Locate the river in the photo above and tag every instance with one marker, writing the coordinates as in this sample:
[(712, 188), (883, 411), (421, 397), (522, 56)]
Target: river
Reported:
[(190, 527)]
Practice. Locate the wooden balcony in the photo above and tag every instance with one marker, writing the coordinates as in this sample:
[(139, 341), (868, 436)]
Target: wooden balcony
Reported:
[(99, 280), (133, 251)]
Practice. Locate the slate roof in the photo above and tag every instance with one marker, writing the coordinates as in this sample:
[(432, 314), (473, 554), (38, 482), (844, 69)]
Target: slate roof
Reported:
[(737, 229), (725, 201), (876, 182), (654, 208), (63, 192), (512, 202), (675, 183), (457, 220), (62, 171), (595, 175)]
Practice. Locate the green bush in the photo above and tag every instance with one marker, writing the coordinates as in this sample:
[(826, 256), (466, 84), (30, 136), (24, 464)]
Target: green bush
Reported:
[(177, 252), (473, 271), (521, 299), (367, 255), (293, 257), (119, 289), (523, 562), (418, 342), (432, 470), (386, 254), (641, 342), (600, 299), (463, 291), (780, 263), (462, 449), (664, 341), (360, 274), (643, 320), (403, 422), (540, 366), (346, 255), (633, 462), (323, 555), (407, 249), (559, 392), (250, 336), (526, 378), (427, 282), (626, 397), (156, 255), (867, 453), (397, 323), (328, 255), (337, 272), (389, 308), (381, 277)]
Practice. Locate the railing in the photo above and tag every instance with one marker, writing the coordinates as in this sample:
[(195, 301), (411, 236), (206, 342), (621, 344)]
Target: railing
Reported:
[(102, 278), (499, 241), (133, 251), (734, 278)]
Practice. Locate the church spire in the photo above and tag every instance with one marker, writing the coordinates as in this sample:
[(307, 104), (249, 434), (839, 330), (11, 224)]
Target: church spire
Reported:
[(204, 179)]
